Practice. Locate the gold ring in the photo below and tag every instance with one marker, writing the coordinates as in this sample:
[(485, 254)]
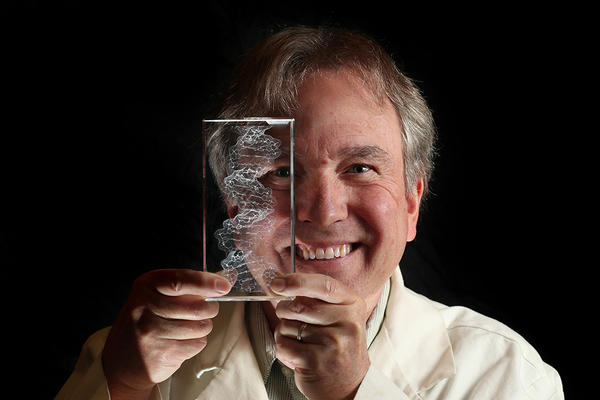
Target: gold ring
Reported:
[(300, 330)]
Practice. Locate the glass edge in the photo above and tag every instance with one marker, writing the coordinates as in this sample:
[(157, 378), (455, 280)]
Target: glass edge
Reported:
[(250, 298)]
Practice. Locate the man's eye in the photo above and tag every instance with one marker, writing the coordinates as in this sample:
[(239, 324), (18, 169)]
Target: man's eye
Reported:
[(359, 169), (281, 172)]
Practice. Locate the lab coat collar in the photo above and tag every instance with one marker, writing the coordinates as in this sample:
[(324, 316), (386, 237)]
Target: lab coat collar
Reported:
[(412, 348)]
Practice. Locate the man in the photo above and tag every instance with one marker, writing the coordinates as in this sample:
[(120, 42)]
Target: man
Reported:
[(364, 140)]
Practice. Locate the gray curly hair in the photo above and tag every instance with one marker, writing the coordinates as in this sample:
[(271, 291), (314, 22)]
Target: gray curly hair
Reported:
[(267, 80)]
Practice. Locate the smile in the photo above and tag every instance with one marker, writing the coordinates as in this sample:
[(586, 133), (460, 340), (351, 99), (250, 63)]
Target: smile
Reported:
[(323, 253)]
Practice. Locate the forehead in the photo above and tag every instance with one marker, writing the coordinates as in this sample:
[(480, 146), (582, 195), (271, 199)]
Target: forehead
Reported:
[(337, 113)]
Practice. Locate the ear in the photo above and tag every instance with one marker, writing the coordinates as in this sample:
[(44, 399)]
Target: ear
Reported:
[(413, 202)]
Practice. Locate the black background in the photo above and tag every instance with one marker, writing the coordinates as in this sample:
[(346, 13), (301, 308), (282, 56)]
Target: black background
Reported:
[(98, 185)]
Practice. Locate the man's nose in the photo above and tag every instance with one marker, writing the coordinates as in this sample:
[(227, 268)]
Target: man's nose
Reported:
[(321, 200)]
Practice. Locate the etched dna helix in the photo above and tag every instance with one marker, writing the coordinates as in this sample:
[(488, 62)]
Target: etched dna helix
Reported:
[(253, 204)]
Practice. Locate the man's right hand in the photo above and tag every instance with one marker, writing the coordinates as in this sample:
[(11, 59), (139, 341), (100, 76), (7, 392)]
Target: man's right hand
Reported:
[(164, 322)]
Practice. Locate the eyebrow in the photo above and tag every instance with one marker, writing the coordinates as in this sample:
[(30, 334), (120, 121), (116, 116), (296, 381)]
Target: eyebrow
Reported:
[(368, 152)]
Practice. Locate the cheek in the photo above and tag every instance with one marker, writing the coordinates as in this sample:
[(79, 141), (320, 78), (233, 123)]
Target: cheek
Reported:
[(281, 206), (270, 220), (276, 229), (385, 217)]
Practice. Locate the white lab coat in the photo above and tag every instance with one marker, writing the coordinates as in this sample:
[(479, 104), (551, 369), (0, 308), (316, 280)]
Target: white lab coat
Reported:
[(424, 350)]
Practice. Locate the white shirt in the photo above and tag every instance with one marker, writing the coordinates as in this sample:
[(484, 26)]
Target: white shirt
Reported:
[(424, 350)]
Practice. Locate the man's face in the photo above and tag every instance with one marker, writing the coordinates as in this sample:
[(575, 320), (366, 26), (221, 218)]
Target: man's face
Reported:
[(353, 213)]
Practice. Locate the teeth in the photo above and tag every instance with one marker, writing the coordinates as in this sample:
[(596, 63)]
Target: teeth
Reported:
[(319, 253), (329, 253)]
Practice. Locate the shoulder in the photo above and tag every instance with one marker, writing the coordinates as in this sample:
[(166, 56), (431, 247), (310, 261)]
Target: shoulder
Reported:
[(493, 360), (93, 346), (87, 380)]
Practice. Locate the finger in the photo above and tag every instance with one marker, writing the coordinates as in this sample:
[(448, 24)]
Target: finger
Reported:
[(317, 286), (178, 282), (301, 331), (186, 307), (174, 328), (295, 354), (329, 337), (231, 274), (185, 349), (312, 311)]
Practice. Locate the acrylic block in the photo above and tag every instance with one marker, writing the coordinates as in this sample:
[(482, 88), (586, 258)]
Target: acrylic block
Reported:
[(248, 203)]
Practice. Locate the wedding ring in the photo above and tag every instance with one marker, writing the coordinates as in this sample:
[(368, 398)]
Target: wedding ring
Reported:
[(300, 330)]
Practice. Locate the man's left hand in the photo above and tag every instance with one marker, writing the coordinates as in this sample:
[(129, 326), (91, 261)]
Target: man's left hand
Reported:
[(322, 335)]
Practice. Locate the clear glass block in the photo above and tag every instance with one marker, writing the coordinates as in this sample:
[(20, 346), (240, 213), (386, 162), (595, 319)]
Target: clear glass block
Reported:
[(248, 204)]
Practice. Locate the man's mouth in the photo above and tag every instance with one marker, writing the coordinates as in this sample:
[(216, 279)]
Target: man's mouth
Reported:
[(323, 253)]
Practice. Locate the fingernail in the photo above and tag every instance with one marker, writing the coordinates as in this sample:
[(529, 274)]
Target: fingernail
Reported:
[(277, 284), (222, 286)]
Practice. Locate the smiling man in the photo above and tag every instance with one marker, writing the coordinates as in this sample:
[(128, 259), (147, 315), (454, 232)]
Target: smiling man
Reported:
[(364, 142)]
